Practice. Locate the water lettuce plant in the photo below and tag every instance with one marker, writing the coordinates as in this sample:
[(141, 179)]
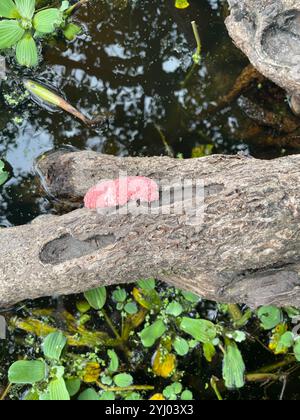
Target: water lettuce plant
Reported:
[(149, 342), (3, 173), (22, 25)]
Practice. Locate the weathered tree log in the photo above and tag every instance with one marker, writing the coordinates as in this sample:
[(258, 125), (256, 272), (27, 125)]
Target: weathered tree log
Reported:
[(246, 250), (268, 32)]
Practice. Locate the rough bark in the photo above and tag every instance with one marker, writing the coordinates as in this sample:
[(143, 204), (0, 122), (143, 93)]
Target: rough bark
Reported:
[(268, 32), (246, 250)]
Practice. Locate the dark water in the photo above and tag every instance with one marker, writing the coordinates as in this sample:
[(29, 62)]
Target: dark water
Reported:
[(133, 62)]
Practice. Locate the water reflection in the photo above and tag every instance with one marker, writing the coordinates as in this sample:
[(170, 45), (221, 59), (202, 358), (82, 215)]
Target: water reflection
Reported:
[(132, 62)]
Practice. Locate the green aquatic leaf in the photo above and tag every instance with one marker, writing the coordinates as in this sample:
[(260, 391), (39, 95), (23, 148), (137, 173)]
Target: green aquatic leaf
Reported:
[(53, 345), (150, 334), (27, 372), (8, 9), (3, 174), (181, 4), (269, 316), (73, 386), (26, 52), (171, 391), (174, 308), (200, 329), (114, 361), (123, 380), (46, 21), (107, 396), (10, 33), (26, 8), (148, 284), (187, 395), (71, 31), (297, 349), (233, 366), (209, 351), (119, 295), (181, 346), (64, 5), (58, 391), (89, 395), (96, 297)]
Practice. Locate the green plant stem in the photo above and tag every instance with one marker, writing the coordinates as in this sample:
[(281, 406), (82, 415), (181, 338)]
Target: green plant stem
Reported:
[(111, 325), (213, 384), (75, 7), (197, 38), (5, 392), (235, 312), (126, 389), (275, 366)]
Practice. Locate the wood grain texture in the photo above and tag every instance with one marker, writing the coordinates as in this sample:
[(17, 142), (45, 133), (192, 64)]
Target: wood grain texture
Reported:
[(246, 250)]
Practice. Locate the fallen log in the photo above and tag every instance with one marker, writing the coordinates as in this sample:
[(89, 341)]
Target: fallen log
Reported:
[(245, 250)]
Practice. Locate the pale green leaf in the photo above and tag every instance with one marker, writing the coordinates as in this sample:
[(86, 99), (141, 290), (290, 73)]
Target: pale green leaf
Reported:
[(191, 297), (89, 395), (131, 308), (200, 329), (53, 345), (8, 9), (26, 8), (73, 386), (107, 396), (174, 308), (209, 351), (187, 395), (10, 33), (114, 361), (233, 366), (71, 31), (46, 21), (123, 380), (96, 297), (181, 346), (3, 174), (58, 391), (26, 52), (150, 334), (297, 350), (148, 284), (27, 372)]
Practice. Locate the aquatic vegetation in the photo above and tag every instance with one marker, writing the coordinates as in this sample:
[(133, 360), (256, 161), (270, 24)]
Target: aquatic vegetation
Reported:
[(149, 334), (181, 4), (43, 95), (23, 24), (4, 175)]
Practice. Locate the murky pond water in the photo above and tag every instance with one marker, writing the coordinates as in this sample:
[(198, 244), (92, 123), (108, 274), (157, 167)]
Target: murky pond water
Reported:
[(135, 62)]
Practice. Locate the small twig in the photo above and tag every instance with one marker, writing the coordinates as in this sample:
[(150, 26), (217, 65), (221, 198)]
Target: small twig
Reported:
[(5, 392), (111, 325), (125, 389)]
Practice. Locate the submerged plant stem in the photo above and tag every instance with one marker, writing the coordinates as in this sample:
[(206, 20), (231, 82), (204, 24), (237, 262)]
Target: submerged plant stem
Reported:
[(126, 389)]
